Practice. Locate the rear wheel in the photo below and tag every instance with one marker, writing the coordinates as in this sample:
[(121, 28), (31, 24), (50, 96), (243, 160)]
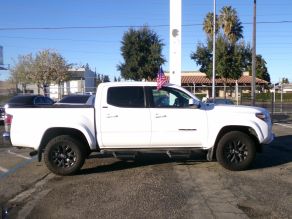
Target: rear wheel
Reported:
[(236, 151), (64, 155)]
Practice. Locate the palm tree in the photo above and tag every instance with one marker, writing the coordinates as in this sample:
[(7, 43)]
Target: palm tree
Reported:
[(230, 24), (208, 25)]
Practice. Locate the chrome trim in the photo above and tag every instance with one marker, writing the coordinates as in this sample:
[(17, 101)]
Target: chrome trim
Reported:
[(187, 129)]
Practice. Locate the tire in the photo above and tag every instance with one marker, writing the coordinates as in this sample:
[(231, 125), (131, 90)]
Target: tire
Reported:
[(236, 151), (64, 155)]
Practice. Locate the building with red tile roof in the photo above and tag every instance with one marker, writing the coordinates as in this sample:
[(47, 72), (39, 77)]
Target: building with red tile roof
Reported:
[(198, 82)]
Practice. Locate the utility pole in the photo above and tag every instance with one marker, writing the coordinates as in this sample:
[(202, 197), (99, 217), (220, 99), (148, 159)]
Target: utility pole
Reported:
[(214, 49), (253, 94)]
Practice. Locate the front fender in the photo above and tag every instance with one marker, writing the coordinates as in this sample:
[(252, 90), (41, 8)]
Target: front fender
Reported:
[(260, 131)]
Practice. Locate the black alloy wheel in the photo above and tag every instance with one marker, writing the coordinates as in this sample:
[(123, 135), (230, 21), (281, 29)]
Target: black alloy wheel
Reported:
[(236, 151), (64, 155)]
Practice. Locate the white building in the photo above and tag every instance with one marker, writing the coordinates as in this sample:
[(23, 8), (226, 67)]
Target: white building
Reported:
[(81, 80)]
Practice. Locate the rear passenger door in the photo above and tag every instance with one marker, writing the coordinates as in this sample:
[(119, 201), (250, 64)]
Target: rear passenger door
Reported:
[(125, 121)]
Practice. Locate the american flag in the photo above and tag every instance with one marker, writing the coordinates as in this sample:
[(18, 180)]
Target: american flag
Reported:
[(161, 79)]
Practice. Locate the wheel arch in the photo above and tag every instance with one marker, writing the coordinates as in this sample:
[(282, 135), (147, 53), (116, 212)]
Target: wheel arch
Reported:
[(245, 129), (54, 132)]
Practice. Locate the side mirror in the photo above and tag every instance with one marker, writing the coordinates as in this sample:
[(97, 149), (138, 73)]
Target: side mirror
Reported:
[(194, 104)]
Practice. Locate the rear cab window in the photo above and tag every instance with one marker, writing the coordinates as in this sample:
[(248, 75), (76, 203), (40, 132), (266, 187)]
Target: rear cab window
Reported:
[(126, 96)]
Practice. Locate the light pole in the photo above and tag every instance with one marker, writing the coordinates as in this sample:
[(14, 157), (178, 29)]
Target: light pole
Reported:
[(253, 54), (214, 48)]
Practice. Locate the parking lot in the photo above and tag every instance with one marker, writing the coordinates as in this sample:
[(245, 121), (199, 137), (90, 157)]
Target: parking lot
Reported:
[(153, 186)]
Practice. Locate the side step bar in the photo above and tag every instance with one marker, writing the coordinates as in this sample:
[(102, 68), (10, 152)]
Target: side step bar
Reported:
[(125, 155), (178, 154)]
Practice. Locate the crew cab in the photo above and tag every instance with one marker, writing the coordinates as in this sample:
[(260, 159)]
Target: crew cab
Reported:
[(129, 118)]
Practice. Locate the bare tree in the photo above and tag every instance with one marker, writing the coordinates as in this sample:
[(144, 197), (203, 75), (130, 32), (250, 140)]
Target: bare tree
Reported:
[(21, 71), (49, 67)]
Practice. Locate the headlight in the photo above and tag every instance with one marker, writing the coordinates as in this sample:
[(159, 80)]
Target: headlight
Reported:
[(261, 116)]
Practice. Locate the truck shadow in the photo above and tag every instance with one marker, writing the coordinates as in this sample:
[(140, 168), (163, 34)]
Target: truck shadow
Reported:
[(279, 152), (142, 160)]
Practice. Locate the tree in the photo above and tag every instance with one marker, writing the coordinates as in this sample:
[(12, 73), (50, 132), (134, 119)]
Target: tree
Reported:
[(106, 78), (203, 58), (49, 67), (100, 78), (232, 55), (230, 24), (229, 59), (117, 79), (261, 68), (20, 72), (208, 24), (285, 81), (141, 50)]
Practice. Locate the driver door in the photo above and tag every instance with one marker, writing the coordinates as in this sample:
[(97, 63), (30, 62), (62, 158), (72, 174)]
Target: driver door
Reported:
[(174, 122)]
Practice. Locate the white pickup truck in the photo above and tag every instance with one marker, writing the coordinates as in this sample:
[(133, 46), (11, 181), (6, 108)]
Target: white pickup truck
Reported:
[(134, 117)]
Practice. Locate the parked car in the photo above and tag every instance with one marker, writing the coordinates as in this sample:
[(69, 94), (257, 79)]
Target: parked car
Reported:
[(77, 99), (220, 101), (2, 113), (29, 100)]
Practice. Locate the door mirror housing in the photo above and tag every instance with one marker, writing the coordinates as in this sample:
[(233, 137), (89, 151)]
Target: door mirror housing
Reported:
[(193, 103)]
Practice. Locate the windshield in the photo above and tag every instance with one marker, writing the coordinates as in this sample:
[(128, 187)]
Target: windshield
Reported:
[(75, 99)]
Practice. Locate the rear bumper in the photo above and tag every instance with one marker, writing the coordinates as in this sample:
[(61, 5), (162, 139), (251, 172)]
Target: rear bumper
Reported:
[(6, 138)]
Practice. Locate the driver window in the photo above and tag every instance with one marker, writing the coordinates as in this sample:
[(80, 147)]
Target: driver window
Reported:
[(168, 97)]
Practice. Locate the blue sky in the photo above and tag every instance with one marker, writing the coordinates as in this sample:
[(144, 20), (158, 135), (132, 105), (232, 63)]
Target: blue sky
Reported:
[(100, 46)]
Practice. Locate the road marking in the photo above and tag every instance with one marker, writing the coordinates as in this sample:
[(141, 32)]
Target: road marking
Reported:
[(18, 166), (2, 169), (19, 155), (287, 126)]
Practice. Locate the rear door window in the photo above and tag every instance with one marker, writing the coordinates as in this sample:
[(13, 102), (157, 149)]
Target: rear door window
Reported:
[(130, 97)]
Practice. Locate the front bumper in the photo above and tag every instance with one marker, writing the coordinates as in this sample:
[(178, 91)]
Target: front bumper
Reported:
[(269, 139), (6, 138)]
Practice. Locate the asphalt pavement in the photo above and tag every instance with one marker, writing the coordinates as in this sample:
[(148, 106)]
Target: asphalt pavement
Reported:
[(153, 186)]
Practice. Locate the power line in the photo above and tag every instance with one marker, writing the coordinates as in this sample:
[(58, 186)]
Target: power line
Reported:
[(77, 27), (124, 26), (57, 39)]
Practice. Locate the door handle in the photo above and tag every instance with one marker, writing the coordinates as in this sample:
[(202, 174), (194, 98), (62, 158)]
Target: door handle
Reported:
[(111, 116), (160, 116)]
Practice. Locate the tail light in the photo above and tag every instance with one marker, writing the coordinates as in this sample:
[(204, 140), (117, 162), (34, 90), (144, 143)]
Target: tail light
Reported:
[(8, 122)]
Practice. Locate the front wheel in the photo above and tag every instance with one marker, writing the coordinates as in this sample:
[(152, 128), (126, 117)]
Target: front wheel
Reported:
[(64, 155), (236, 151)]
